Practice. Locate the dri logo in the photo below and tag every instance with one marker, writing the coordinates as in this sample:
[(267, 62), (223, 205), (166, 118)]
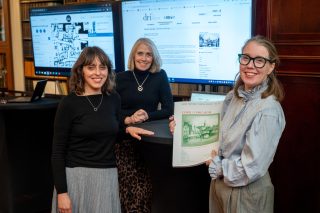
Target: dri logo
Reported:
[(147, 17)]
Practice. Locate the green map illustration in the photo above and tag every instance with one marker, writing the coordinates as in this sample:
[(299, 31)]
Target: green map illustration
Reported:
[(198, 130)]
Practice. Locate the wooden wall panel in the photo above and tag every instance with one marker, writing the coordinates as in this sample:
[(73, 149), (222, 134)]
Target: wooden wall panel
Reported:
[(294, 27), (298, 66), (260, 14), (296, 18), (295, 171)]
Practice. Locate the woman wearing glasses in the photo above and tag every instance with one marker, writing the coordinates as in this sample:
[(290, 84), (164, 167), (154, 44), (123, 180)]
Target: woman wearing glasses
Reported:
[(251, 126)]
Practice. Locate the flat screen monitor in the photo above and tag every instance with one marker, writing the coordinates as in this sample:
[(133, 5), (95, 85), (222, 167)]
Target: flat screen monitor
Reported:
[(60, 33), (198, 40)]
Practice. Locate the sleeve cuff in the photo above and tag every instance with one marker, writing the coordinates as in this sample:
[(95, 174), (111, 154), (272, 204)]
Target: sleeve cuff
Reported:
[(215, 167)]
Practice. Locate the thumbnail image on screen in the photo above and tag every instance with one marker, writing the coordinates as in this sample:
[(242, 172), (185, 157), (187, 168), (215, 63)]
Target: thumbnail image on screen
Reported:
[(198, 40)]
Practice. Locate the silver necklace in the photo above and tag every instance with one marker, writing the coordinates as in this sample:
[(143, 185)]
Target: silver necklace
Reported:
[(95, 108), (140, 86)]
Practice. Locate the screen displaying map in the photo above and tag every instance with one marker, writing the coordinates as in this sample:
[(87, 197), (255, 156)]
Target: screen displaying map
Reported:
[(59, 34)]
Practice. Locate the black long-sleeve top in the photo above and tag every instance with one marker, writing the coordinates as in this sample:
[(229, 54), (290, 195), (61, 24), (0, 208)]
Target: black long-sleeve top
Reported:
[(156, 89), (84, 137)]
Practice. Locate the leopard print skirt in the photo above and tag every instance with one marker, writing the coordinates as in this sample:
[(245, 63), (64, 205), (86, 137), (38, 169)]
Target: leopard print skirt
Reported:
[(134, 178)]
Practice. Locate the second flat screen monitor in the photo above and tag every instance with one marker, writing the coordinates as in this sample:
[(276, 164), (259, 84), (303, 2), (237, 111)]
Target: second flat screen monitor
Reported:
[(60, 33), (198, 40)]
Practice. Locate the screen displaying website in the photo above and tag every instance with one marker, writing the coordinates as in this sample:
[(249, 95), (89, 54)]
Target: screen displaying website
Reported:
[(198, 40), (60, 34)]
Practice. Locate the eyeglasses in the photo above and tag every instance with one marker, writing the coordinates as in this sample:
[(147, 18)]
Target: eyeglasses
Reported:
[(258, 62)]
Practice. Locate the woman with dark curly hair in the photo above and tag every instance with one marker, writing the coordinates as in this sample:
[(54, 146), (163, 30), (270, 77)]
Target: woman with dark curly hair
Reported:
[(85, 129)]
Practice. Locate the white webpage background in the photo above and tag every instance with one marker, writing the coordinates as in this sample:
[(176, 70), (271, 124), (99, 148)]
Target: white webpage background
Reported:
[(175, 26)]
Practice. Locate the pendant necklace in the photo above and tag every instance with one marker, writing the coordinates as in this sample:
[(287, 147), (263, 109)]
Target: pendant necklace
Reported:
[(95, 108), (140, 86)]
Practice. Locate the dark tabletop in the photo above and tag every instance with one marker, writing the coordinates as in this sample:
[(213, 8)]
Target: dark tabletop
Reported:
[(162, 134)]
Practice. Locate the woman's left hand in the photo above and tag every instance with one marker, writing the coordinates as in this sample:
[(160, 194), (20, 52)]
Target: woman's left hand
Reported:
[(136, 132)]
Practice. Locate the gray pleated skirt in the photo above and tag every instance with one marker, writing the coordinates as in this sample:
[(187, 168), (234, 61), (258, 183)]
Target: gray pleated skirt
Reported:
[(91, 190), (257, 197)]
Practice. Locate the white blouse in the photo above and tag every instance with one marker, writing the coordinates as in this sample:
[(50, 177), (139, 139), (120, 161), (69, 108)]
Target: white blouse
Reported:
[(250, 131)]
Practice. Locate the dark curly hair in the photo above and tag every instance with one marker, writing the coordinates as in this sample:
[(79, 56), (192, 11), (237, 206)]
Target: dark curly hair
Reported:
[(87, 56)]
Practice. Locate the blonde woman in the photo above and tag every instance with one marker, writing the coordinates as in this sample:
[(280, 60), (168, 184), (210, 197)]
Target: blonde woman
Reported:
[(142, 89)]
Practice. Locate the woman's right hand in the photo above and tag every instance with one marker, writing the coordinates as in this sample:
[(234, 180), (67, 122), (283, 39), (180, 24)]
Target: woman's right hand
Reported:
[(214, 153), (64, 203), (138, 117), (172, 124)]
